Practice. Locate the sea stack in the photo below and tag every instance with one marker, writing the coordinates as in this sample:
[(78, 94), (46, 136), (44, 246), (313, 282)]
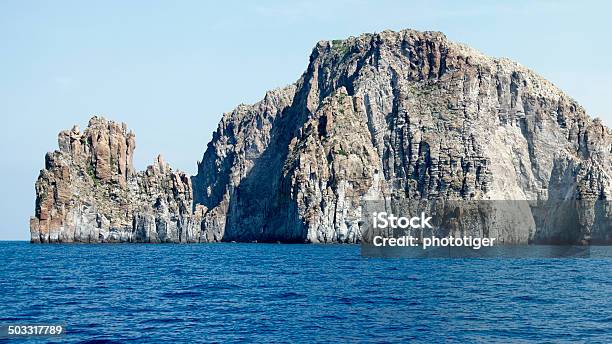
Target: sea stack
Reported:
[(89, 192)]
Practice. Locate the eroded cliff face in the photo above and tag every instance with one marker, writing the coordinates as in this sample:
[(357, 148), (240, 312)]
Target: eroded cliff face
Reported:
[(392, 115), (400, 114), (89, 192)]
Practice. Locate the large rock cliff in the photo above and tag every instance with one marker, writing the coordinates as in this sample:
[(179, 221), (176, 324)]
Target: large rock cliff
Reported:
[(396, 114)]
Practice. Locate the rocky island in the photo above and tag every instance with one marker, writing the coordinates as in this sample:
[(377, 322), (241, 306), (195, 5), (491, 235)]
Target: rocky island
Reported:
[(394, 114)]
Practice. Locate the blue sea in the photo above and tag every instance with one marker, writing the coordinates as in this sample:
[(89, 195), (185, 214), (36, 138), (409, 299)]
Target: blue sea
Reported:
[(139, 293)]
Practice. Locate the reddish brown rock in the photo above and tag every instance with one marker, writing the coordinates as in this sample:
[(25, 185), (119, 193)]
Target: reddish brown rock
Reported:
[(89, 192)]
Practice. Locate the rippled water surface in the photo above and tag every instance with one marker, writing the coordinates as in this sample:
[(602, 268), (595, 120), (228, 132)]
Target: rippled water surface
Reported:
[(299, 293)]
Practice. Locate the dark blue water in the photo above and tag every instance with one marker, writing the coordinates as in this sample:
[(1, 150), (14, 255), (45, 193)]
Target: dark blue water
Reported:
[(299, 293)]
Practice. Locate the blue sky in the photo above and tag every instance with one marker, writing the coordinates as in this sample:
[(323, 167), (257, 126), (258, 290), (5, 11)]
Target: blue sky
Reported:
[(170, 69)]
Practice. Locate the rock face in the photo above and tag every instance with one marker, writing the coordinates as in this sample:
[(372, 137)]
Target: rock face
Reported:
[(89, 192), (391, 115), (399, 114)]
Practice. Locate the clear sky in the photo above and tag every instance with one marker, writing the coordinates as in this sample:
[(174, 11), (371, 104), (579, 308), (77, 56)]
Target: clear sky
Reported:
[(169, 69)]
